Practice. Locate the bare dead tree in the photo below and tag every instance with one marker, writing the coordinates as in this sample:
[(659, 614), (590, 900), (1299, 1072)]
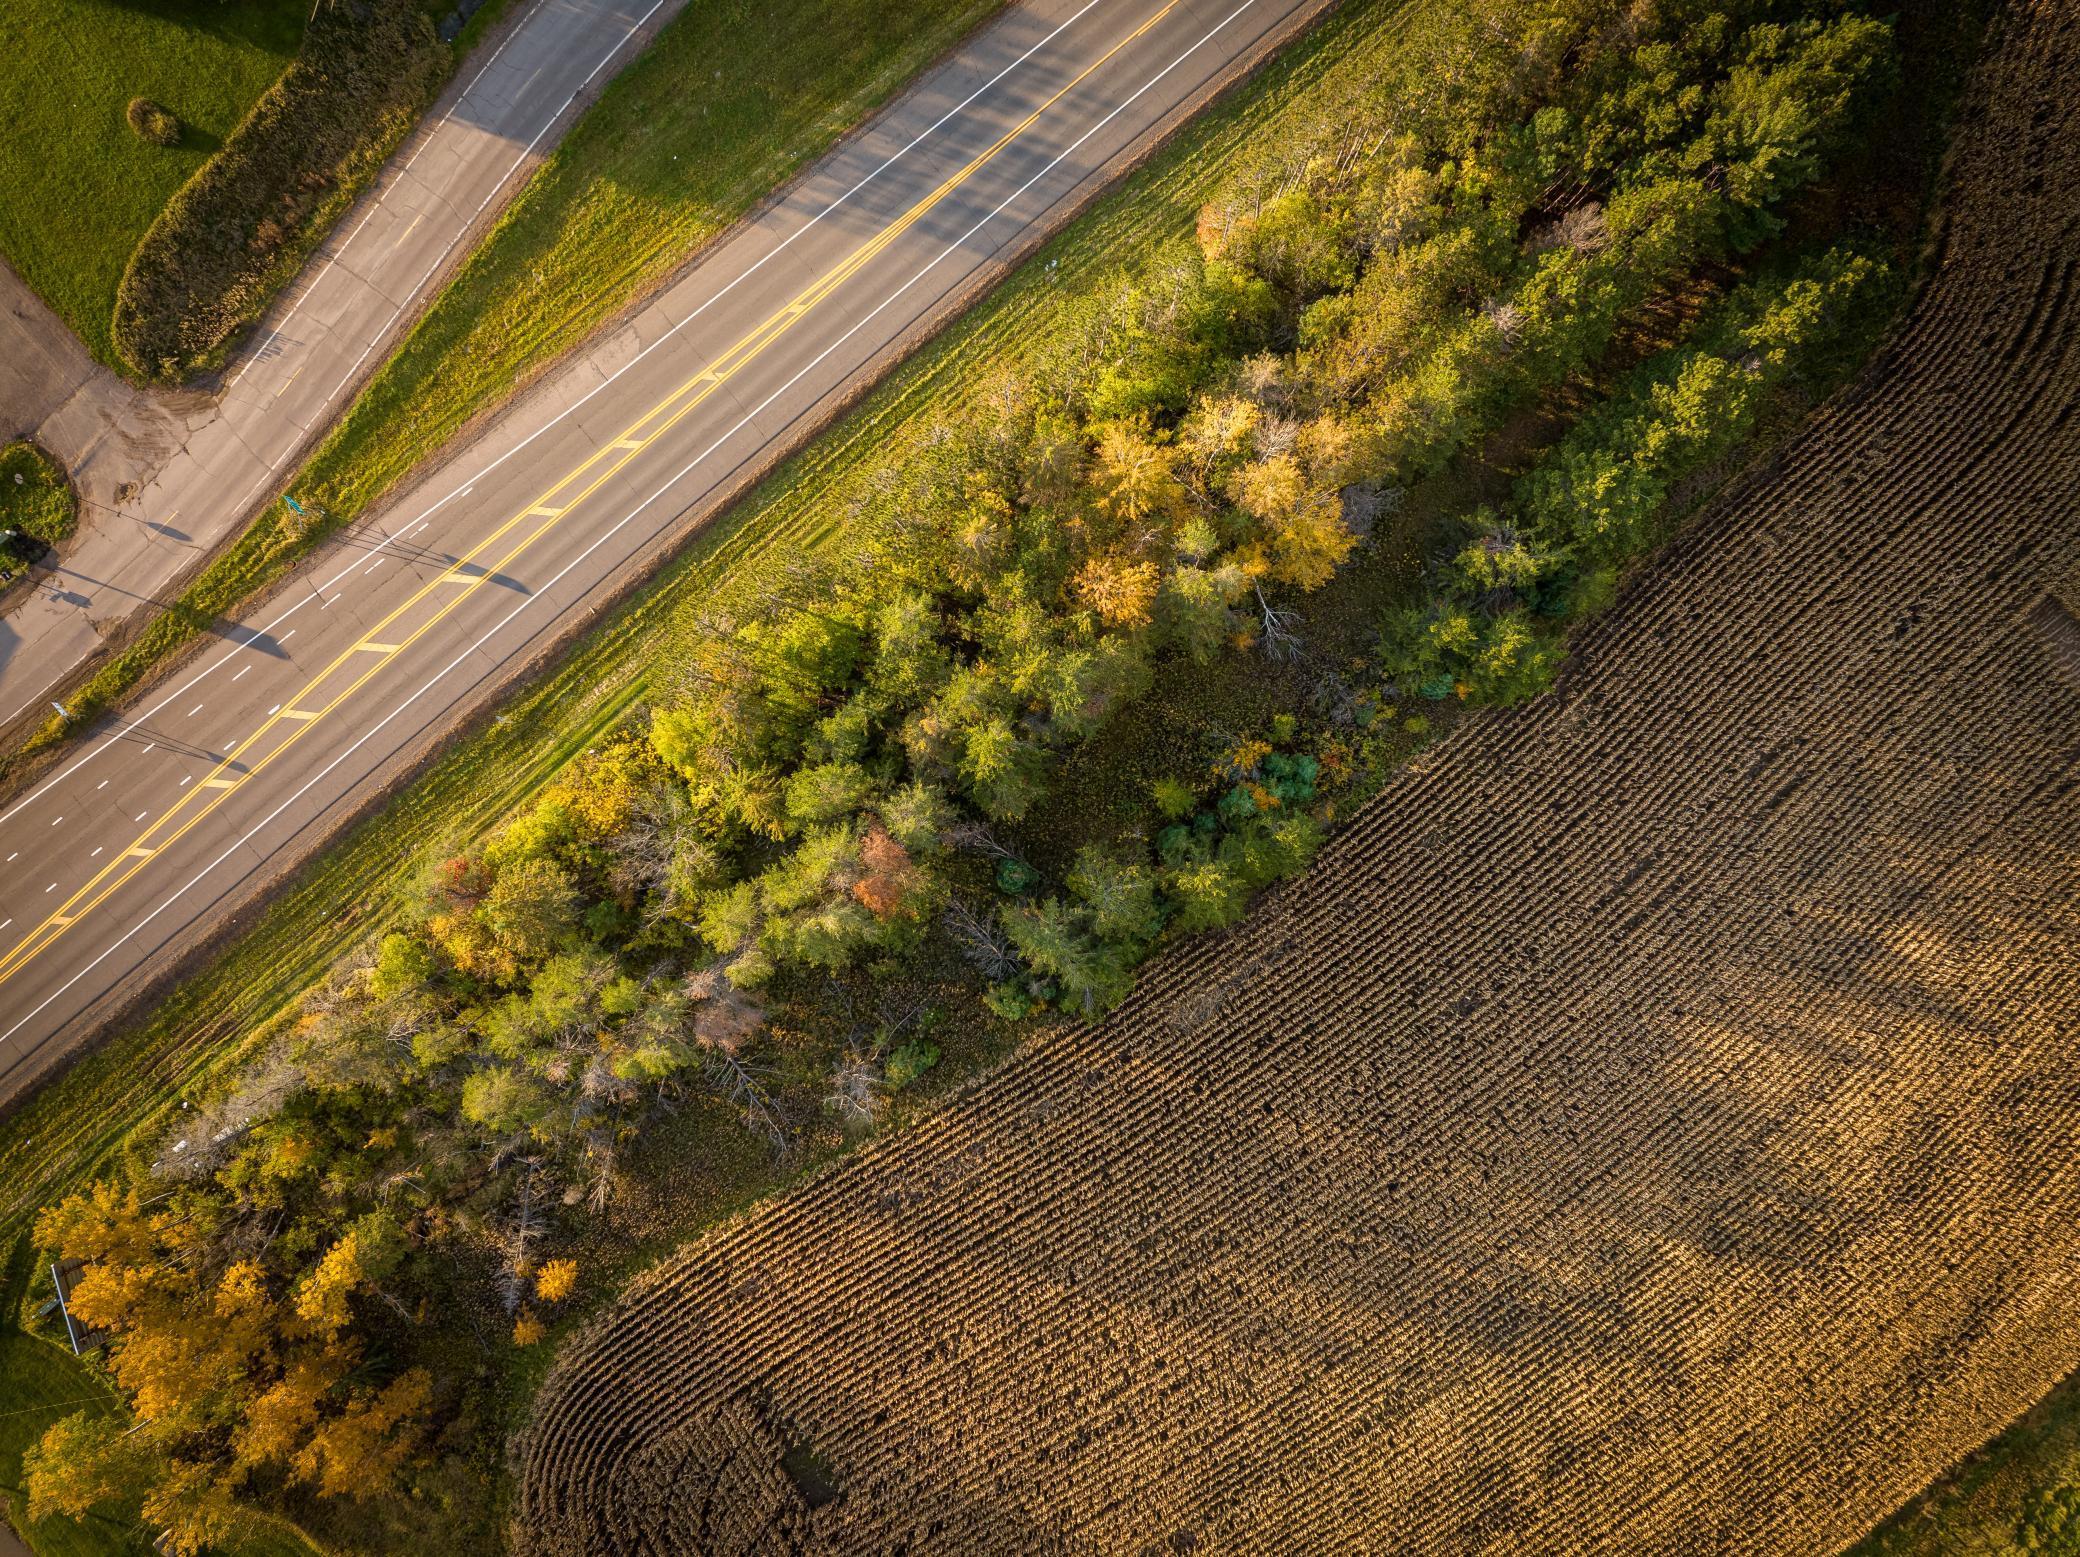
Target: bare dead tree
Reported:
[(1507, 318), (526, 1224), (1276, 435), (980, 941), (1580, 227), (740, 1084), (855, 1095), (724, 1016), (1279, 629), (1334, 699), (975, 837), (1365, 504)]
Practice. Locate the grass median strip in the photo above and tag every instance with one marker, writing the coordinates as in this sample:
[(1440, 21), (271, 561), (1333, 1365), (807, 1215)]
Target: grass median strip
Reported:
[(729, 101)]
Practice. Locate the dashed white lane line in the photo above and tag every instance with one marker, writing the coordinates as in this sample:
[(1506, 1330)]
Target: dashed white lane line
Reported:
[(47, 891), (13, 857), (528, 600), (97, 851), (148, 748), (411, 295), (601, 388), (183, 784), (56, 820), (142, 815), (195, 710), (4, 923), (242, 671), (698, 460), (102, 785), (431, 134)]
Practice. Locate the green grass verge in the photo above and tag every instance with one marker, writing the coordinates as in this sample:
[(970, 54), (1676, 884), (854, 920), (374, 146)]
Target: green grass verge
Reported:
[(78, 188), (731, 99), (240, 229), (37, 506), (43, 1384), (2018, 1495)]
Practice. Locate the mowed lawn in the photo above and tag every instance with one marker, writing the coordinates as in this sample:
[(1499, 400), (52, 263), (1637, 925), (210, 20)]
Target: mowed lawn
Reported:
[(77, 186)]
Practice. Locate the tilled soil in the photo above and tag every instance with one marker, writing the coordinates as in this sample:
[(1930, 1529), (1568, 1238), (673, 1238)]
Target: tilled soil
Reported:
[(1652, 1127)]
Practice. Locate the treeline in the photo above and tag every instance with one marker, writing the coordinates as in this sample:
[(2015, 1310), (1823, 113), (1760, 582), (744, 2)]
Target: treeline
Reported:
[(1491, 631), (832, 776)]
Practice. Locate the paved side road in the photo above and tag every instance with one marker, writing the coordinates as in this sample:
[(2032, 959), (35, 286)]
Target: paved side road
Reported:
[(166, 478), (181, 814)]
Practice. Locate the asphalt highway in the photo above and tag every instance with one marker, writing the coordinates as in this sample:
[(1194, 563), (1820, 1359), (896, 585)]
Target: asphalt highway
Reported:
[(125, 858), (169, 476)]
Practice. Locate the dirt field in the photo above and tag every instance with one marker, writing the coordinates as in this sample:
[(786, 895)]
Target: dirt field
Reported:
[(1654, 1125)]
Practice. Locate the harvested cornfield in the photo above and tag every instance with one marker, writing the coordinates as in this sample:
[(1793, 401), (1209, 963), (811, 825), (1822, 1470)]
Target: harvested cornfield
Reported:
[(1653, 1126)]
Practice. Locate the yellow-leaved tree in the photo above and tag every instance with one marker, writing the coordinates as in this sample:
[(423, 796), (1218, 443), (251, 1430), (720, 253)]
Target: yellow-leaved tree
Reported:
[(196, 1346)]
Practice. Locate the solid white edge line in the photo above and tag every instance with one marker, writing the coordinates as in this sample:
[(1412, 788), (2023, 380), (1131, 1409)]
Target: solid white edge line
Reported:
[(424, 513), (382, 331), (377, 196), (605, 536)]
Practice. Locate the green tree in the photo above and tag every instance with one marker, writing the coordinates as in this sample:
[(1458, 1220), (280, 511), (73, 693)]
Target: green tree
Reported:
[(1207, 894), (1052, 939), (531, 908), (1119, 894)]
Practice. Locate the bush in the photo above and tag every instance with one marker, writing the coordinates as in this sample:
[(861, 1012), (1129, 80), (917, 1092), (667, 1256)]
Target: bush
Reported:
[(36, 504), (153, 123), (242, 225), (910, 1062)]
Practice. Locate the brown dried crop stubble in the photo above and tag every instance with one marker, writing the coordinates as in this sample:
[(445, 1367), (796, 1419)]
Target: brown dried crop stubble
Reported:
[(1651, 1126)]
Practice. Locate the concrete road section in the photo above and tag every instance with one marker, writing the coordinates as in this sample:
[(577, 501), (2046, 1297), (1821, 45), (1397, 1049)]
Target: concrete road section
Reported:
[(166, 478), (183, 813)]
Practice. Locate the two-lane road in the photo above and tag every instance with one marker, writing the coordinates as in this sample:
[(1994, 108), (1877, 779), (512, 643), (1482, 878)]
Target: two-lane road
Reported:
[(167, 479), (135, 849)]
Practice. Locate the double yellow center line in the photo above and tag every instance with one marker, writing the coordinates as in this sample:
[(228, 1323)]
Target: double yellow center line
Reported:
[(391, 637)]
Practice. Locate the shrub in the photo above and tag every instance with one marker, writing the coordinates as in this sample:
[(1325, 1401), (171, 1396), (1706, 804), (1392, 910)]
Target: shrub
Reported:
[(1015, 878), (1174, 799), (152, 123), (36, 503), (909, 1062)]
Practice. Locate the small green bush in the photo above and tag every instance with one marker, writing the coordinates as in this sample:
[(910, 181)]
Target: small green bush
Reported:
[(1015, 878), (152, 123), (1174, 799), (36, 499), (909, 1062)]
